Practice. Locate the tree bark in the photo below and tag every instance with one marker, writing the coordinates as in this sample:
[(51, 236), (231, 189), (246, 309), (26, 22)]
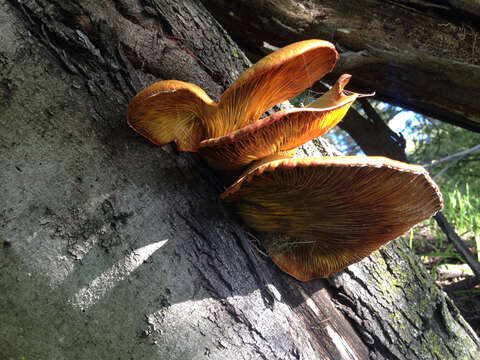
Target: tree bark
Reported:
[(420, 55), (115, 249)]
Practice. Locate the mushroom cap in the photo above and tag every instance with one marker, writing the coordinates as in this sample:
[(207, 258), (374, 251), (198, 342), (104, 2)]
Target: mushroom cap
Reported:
[(169, 111), (182, 112), (331, 211), (277, 77), (280, 132)]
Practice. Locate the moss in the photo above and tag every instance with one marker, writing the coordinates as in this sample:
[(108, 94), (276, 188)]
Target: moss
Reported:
[(387, 284), (406, 291), (235, 52)]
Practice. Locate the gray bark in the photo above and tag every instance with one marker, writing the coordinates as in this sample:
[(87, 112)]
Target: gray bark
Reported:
[(113, 248)]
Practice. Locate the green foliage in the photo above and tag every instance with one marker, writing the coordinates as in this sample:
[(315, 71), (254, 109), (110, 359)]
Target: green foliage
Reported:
[(452, 156), (458, 176), (434, 141), (462, 208), (384, 110)]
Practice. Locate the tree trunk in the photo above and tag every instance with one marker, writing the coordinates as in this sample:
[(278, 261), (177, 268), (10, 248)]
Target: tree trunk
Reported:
[(420, 55), (113, 248)]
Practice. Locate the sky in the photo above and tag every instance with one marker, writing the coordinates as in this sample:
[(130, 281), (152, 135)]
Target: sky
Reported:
[(401, 123)]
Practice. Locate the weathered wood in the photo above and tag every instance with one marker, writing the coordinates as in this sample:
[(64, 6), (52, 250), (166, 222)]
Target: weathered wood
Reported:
[(421, 55), (114, 248), (404, 315)]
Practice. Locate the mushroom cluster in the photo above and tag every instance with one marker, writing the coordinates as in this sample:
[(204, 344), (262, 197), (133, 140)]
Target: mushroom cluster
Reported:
[(314, 216)]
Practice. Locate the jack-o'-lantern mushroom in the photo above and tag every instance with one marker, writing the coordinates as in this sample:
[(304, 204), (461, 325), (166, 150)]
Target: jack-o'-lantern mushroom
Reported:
[(280, 133), (229, 135), (316, 216)]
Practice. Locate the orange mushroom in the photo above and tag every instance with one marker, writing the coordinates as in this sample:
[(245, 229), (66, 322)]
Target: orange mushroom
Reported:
[(331, 211), (170, 111), (182, 112), (315, 216), (279, 133)]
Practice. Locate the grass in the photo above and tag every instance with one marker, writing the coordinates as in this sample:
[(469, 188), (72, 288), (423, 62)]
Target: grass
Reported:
[(462, 209), (462, 205)]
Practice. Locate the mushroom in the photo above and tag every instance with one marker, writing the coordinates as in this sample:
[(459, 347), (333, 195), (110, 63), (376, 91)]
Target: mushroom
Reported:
[(169, 111), (279, 133), (316, 216), (229, 135)]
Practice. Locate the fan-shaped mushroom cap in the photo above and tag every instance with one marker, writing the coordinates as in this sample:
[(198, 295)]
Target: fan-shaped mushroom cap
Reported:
[(171, 110), (333, 211), (277, 77), (280, 132)]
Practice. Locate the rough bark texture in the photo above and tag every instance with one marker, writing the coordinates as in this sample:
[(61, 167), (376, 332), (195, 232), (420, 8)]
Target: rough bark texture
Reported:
[(421, 55), (394, 302), (115, 249)]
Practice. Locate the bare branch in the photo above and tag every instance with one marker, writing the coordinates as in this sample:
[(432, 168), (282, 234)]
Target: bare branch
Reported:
[(460, 154), (458, 243), (467, 284)]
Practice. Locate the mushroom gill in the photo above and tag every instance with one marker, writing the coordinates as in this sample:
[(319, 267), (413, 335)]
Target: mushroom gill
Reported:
[(177, 111), (278, 133), (332, 211), (169, 111)]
